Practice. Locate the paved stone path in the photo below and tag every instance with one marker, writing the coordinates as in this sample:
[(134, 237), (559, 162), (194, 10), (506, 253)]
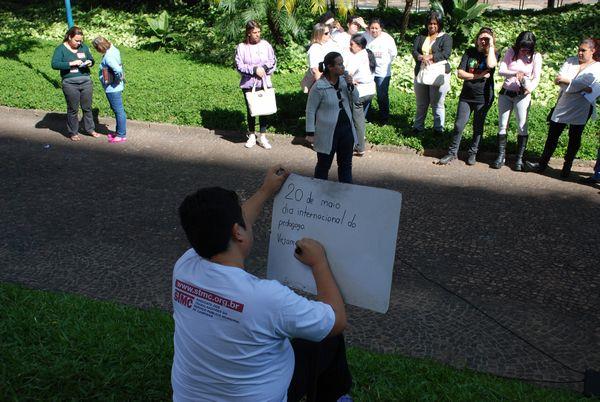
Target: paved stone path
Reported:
[(100, 220)]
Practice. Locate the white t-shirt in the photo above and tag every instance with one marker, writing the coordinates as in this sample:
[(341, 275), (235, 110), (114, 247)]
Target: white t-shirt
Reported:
[(358, 67), (384, 49), (316, 54), (231, 332)]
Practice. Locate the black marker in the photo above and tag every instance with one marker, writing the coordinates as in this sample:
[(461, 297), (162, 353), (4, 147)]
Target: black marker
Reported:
[(298, 250)]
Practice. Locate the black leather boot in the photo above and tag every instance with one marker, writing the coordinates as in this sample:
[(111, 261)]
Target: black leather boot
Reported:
[(499, 162), (521, 146)]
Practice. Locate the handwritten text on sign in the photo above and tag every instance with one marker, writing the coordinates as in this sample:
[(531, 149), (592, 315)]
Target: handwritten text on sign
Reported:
[(357, 225)]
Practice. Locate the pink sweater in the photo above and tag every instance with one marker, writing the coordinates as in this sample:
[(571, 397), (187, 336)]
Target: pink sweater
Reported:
[(509, 69)]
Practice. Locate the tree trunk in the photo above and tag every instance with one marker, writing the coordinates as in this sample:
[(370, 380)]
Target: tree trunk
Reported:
[(551, 3), (406, 16)]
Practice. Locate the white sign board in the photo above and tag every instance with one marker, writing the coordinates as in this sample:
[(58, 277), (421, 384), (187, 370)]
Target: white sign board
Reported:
[(358, 227)]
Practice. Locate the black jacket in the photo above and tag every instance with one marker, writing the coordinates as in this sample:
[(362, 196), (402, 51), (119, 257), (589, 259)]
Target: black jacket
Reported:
[(441, 49)]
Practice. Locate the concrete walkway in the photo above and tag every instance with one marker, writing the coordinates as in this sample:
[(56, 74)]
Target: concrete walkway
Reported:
[(100, 220)]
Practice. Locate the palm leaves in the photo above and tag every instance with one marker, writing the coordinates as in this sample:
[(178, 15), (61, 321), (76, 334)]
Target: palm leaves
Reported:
[(462, 15)]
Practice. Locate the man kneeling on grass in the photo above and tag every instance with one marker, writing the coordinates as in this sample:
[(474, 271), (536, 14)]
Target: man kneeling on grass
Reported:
[(233, 330)]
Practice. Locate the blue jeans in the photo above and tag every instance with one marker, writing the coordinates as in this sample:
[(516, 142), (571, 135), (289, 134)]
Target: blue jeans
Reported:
[(383, 100), (115, 99)]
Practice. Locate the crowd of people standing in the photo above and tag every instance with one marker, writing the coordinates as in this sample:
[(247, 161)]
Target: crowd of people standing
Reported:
[(348, 67)]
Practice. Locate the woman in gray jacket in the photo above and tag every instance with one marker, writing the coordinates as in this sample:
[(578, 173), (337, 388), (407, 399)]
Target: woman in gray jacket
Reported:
[(329, 118)]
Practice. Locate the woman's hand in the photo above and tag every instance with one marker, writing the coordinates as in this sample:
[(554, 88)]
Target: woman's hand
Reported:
[(561, 80), (520, 76), (75, 63), (348, 78), (260, 72)]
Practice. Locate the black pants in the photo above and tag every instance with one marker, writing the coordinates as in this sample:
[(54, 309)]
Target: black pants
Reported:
[(554, 132), (79, 94), (463, 113), (321, 370), (262, 120), (343, 146)]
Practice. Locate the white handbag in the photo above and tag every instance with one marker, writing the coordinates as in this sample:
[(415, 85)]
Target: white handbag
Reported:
[(432, 74), (262, 102)]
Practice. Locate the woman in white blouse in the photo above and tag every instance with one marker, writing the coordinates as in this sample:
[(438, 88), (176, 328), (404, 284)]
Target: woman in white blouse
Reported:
[(521, 69), (384, 48), (317, 51), (361, 67), (575, 78)]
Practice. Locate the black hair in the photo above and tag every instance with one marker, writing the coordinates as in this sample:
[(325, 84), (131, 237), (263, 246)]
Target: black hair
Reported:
[(526, 39), (376, 21), (328, 61), (207, 217), (361, 41), (437, 16)]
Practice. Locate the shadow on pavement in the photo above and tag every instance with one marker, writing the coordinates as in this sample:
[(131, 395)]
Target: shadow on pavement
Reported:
[(111, 231)]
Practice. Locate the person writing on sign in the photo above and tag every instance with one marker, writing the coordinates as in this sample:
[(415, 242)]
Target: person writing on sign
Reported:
[(111, 78), (232, 329), (74, 59), (255, 61), (329, 123)]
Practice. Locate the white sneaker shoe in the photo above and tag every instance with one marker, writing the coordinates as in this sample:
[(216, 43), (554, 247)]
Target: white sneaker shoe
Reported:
[(251, 141), (263, 142)]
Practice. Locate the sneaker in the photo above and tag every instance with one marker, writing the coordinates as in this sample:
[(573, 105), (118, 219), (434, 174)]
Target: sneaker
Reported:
[(471, 160), (114, 140), (446, 159), (251, 141), (110, 136), (263, 142)]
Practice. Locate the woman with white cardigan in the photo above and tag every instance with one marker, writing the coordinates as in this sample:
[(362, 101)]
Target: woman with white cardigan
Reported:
[(575, 79), (329, 123)]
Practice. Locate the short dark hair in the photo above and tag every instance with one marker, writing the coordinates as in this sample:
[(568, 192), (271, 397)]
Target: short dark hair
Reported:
[(207, 217), (73, 31), (376, 21), (437, 16)]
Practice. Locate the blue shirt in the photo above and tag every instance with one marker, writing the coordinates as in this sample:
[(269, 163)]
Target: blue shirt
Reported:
[(112, 60)]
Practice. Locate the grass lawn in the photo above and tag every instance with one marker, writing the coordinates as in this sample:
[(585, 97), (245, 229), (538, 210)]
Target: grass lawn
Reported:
[(56, 346), (175, 88)]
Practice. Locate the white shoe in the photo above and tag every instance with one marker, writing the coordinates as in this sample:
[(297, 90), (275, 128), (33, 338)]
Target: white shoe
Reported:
[(263, 142), (251, 141)]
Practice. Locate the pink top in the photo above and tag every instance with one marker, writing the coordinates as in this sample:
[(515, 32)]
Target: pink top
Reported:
[(509, 69)]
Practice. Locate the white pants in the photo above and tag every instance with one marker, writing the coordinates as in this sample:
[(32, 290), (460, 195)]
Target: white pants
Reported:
[(518, 104)]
